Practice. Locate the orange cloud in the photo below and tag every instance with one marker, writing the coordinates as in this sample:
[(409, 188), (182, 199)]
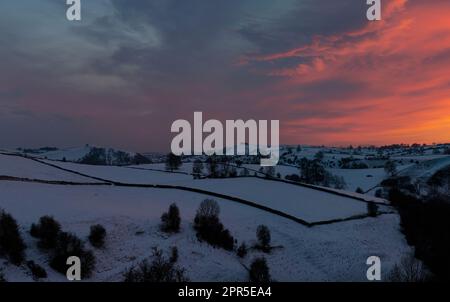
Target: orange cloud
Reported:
[(403, 64)]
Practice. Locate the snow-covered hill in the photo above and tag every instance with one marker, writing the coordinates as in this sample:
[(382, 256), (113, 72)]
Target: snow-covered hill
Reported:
[(131, 215), (87, 154)]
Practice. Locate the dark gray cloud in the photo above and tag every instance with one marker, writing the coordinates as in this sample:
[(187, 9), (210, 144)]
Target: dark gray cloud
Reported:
[(139, 65)]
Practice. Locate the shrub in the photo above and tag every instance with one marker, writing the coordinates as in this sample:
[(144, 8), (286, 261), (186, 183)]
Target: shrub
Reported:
[(11, 243), (209, 228), (269, 172), (372, 209), (212, 166), (37, 271), (409, 270), (140, 159), (68, 245), (174, 255), (263, 235), (159, 270), (379, 193), (208, 208), (34, 231), (313, 172), (245, 172), (47, 231), (259, 271), (96, 156), (233, 172), (359, 190), (97, 236), (171, 220), (440, 181), (351, 163), (390, 168), (425, 224), (319, 156), (242, 250), (173, 162), (338, 182), (226, 240), (197, 168)]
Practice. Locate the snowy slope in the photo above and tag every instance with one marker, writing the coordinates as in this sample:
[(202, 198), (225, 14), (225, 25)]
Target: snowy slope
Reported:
[(427, 168), (124, 174), (360, 178), (336, 252), (93, 155), (70, 154), (305, 203), (21, 167)]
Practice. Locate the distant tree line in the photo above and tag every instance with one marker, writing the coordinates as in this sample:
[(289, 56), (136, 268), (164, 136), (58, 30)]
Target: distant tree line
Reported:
[(313, 172), (103, 157)]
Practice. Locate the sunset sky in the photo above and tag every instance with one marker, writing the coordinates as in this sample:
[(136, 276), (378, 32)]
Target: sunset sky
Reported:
[(122, 75)]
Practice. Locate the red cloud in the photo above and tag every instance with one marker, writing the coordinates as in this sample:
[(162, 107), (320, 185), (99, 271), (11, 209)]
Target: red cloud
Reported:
[(403, 63)]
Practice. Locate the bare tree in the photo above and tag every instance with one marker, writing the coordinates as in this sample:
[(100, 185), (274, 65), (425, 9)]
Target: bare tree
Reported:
[(208, 208), (390, 167), (173, 162), (263, 235), (197, 168), (259, 271), (409, 270)]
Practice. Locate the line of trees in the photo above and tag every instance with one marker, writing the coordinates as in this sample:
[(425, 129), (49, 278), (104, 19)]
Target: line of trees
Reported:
[(426, 225)]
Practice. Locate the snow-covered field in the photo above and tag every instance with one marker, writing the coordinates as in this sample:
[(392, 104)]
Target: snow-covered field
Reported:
[(124, 174), (354, 178), (426, 168), (131, 215), (360, 178), (21, 167), (71, 154), (304, 203)]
